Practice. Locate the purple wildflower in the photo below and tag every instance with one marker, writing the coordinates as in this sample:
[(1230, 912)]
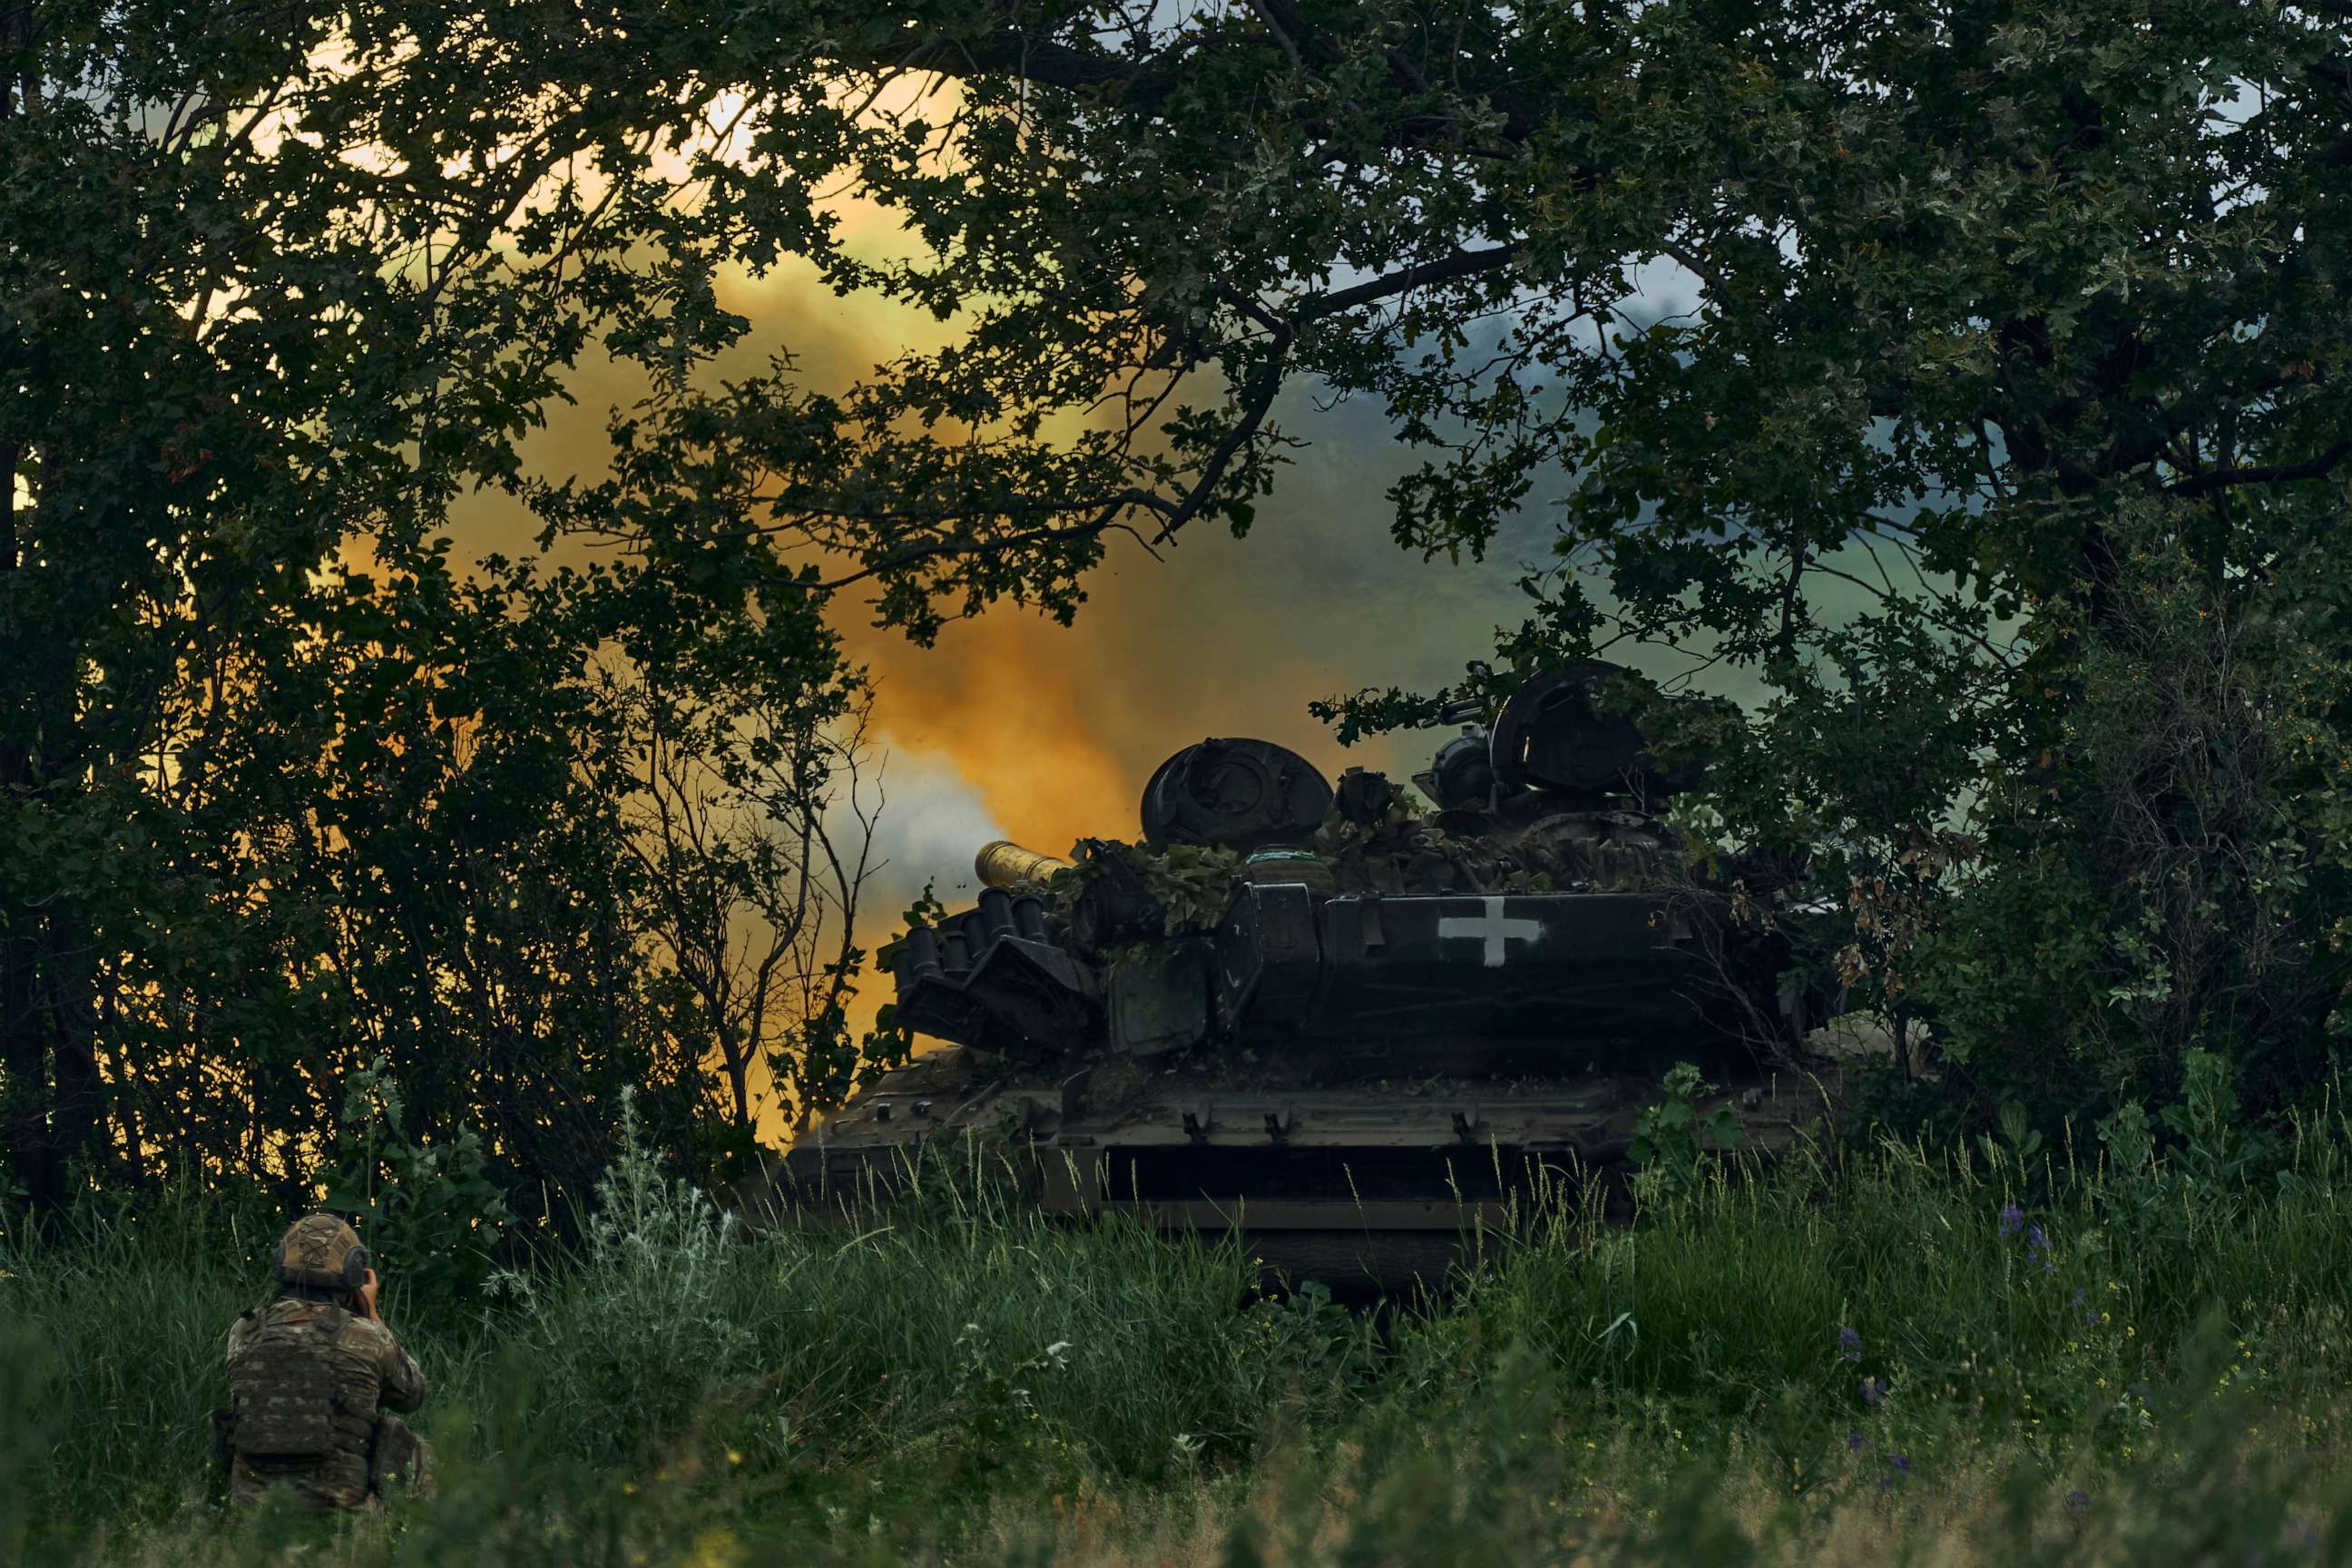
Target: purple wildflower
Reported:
[(1855, 1442), (1873, 1391), (2039, 1250), (1902, 1463), (1849, 1345), (2013, 1220), (2078, 1503)]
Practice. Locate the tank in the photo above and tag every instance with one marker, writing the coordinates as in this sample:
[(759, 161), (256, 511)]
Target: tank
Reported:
[(1358, 1026)]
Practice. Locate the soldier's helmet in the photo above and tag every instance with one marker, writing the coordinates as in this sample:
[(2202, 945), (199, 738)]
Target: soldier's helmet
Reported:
[(320, 1251)]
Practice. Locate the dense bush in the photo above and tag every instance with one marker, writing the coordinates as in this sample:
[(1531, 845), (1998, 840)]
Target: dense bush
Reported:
[(2168, 874)]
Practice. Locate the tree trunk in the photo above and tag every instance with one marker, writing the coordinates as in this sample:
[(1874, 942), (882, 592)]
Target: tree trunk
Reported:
[(24, 1078), (71, 994), (23, 1061)]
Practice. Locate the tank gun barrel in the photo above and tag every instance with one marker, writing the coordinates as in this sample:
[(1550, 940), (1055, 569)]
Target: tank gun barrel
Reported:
[(1001, 863)]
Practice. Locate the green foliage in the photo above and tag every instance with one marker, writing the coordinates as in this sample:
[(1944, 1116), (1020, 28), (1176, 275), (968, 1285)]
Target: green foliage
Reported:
[(1676, 1147), (2213, 1154), (996, 1409), (2162, 883), (2019, 1148), (1193, 882), (1327, 1344), (430, 1213)]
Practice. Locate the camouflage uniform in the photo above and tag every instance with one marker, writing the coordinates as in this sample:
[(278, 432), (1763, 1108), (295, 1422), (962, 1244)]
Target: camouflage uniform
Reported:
[(307, 1374)]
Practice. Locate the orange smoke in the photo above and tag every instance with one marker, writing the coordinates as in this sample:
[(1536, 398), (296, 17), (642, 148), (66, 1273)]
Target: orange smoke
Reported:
[(1014, 702)]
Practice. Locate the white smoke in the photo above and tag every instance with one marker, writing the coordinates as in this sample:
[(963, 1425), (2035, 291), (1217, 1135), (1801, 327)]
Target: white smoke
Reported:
[(931, 824)]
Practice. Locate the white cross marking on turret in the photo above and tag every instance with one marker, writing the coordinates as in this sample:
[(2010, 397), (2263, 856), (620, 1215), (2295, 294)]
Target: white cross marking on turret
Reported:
[(1491, 928)]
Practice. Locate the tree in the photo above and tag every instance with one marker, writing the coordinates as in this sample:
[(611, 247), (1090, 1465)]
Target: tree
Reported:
[(754, 843), (283, 789)]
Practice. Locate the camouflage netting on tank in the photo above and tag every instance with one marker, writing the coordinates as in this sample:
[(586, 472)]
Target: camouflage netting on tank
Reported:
[(1399, 853), (1194, 883)]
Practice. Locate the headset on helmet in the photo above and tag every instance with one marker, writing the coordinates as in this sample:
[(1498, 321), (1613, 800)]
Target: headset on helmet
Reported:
[(320, 1251)]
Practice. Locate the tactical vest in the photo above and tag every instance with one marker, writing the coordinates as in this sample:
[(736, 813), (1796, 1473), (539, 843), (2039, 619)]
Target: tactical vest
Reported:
[(283, 1386)]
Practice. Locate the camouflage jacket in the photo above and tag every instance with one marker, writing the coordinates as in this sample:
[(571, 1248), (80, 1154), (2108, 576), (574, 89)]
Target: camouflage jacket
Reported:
[(309, 1374)]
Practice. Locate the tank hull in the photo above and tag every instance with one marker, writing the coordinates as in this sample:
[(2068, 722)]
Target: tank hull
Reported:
[(1378, 1185)]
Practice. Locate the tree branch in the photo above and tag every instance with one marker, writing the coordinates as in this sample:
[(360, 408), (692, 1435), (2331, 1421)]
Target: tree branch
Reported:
[(1138, 84), (1271, 13), (2317, 468), (8, 457), (1461, 264)]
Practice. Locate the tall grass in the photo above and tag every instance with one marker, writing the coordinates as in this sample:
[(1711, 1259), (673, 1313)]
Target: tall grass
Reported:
[(1978, 1354), (1944, 1284)]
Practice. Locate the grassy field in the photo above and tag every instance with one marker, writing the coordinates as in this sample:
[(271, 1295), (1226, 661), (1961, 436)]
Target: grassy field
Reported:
[(1891, 1355)]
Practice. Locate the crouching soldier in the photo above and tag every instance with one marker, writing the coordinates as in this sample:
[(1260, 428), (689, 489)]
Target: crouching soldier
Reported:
[(305, 1374)]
